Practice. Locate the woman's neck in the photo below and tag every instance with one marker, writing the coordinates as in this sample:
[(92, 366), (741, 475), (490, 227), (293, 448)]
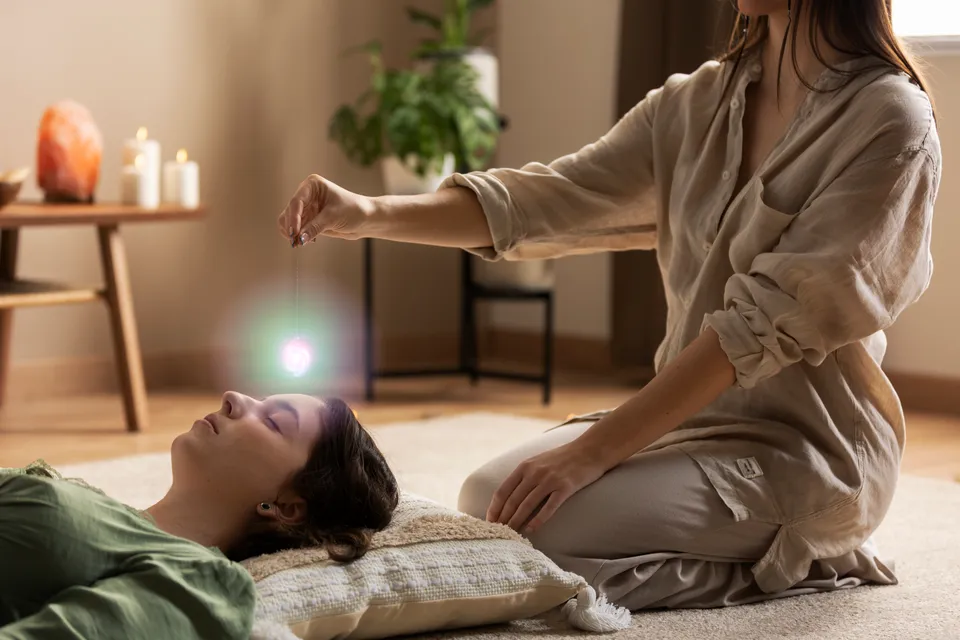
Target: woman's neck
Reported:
[(790, 85), (206, 520)]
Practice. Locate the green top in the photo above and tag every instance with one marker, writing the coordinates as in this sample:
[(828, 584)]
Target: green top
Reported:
[(75, 564)]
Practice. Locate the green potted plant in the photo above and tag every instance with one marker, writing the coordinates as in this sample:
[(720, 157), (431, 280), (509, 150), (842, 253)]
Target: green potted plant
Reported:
[(453, 36), (420, 124), (453, 28)]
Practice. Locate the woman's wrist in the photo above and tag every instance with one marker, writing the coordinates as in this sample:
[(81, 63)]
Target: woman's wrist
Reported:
[(373, 219), (597, 448)]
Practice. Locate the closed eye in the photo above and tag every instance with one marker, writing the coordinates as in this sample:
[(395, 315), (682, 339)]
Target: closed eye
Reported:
[(272, 424)]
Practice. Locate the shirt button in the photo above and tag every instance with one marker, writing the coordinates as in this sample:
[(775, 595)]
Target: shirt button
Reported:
[(707, 245), (735, 104), (725, 175)]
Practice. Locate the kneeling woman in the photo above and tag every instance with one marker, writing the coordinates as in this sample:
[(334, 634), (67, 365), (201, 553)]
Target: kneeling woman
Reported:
[(255, 477), (788, 190)]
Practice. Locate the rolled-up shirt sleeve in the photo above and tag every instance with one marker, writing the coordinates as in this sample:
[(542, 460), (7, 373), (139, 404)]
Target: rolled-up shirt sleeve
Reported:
[(597, 199), (846, 267)]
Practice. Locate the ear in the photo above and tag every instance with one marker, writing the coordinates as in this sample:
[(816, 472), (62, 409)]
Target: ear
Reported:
[(286, 509)]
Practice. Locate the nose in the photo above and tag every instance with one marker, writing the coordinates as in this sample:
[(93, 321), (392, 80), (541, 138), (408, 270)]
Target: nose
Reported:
[(235, 404)]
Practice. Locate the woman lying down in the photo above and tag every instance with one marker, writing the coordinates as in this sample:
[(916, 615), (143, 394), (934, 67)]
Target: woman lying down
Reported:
[(255, 477)]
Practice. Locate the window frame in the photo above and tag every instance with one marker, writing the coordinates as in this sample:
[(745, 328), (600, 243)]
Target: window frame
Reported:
[(925, 46), (930, 45)]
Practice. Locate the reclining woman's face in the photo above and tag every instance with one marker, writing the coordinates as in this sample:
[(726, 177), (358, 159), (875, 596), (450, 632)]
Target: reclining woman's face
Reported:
[(249, 449)]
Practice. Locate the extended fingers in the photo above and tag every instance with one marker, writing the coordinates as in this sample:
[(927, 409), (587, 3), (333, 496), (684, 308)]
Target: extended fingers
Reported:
[(533, 499), (503, 492), (557, 498), (516, 498), (291, 218), (301, 208)]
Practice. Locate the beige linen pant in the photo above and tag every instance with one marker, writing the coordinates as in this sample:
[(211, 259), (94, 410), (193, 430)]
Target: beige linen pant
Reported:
[(653, 532)]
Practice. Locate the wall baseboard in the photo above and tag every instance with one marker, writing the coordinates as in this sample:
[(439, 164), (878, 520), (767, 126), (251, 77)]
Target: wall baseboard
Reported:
[(927, 394)]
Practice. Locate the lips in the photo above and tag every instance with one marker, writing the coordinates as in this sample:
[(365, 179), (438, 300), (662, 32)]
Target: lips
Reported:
[(211, 419)]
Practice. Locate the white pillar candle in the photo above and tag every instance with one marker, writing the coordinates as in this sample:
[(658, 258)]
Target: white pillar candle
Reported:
[(149, 151), (133, 187), (181, 182)]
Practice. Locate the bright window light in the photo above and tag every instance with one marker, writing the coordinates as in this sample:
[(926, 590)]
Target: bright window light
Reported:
[(918, 18)]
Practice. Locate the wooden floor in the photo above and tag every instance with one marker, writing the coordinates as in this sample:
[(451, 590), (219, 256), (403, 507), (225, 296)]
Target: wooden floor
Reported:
[(78, 429)]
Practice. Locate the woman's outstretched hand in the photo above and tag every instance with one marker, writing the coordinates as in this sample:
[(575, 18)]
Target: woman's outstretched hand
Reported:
[(321, 208), (552, 476)]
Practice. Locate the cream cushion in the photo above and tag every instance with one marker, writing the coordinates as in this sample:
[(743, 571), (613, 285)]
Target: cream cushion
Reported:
[(433, 568)]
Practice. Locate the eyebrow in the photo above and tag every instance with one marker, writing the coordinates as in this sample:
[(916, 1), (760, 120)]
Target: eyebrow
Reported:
[(286, 406)]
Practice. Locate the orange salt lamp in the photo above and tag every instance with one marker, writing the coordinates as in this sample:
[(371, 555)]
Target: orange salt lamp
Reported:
[(69, 148)]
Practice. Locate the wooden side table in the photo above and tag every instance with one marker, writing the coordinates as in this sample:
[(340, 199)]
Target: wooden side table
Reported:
[(115, 290)]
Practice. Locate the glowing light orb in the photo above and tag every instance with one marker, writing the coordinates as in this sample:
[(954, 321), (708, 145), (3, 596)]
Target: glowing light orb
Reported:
[(296, 356)]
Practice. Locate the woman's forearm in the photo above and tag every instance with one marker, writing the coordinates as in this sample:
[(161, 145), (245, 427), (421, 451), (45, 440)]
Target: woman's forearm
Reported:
[(688, 384), (447, 218)]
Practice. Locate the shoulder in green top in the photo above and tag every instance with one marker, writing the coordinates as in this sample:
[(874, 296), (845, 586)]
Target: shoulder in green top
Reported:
[(78, 564)]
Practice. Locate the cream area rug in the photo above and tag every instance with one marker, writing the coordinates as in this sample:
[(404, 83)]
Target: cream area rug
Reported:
[(432, 457)]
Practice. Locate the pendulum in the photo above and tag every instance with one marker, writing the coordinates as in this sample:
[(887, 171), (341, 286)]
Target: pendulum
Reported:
[(296, 352)]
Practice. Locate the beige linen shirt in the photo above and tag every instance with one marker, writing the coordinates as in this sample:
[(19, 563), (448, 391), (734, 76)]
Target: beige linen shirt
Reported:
[(799, 273)]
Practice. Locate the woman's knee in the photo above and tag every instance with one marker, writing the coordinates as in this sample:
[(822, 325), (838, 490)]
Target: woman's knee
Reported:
[(477, 491)]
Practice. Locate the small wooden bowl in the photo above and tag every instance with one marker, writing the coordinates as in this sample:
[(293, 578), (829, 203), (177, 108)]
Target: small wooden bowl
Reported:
[(10, 184)]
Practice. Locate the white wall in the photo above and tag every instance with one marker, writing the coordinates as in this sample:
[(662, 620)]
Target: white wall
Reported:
[(558, 88), (924, 341)]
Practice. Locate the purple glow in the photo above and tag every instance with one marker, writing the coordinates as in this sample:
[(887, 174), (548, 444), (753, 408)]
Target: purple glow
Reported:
[(296, 356)]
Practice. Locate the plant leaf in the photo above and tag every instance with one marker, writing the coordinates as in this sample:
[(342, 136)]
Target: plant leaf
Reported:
[(422, 17), (480, 36), (427, 48), (475, 5)]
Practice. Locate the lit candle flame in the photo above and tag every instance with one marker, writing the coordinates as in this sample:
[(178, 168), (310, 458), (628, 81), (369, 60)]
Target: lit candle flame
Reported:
[(138, 161), (182, 155), (142, 134)]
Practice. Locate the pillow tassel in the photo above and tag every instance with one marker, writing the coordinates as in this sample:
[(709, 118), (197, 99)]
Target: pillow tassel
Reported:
[(589, 613), (264, 629)]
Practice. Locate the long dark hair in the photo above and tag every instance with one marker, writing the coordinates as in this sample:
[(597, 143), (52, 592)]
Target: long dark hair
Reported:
[(852, 27), (349, 490)]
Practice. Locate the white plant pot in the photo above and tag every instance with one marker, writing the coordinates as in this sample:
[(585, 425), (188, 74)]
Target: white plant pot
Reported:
[(399, 178), (524, 274), (488, 68)]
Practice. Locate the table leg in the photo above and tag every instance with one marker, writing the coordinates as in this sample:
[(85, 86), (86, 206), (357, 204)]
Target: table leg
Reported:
[(9, 241), (123, 326)]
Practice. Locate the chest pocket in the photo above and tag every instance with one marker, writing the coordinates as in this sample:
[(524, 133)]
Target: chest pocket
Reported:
[(758, 227)]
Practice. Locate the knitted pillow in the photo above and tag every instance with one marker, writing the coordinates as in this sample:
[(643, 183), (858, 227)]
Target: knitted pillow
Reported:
[(433, 568)]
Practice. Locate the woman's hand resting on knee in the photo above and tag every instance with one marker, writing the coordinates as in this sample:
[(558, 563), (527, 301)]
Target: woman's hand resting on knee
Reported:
[(319, 207), (686, 385), (552, 476)]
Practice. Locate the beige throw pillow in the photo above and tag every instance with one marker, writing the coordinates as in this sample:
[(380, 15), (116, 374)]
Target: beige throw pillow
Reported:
[(433, 568)]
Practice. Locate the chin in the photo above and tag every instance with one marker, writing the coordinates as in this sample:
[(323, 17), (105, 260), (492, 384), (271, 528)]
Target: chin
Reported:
[(757, 8), (185, 450)]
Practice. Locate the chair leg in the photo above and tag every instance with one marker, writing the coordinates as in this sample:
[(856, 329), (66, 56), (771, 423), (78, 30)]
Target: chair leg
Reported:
[(548, 348), (470, 334), (113, 258), (9, 242), (468, 320), (368, 346)]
